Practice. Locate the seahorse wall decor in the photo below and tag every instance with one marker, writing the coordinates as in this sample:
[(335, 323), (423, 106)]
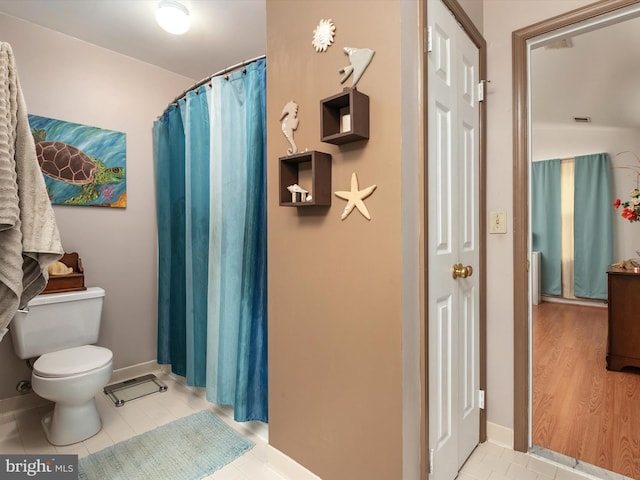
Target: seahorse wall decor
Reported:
[(290, 123), (359, 59)]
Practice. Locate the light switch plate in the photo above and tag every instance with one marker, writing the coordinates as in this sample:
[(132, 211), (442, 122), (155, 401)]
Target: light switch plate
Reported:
[(498, 221)]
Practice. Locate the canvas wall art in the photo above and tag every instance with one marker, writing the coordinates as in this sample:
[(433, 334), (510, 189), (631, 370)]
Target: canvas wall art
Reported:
[(81, 165)]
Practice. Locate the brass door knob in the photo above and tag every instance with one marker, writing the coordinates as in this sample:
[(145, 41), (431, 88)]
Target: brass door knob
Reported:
[(459, 271)]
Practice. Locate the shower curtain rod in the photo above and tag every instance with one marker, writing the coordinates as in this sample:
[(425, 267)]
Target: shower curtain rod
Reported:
[(217, 74)]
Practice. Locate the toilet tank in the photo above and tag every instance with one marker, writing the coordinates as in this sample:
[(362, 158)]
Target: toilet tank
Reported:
[(56, 321)]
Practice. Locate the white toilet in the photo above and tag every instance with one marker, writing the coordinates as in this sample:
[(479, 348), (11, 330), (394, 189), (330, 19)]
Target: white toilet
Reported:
[(60, 329)]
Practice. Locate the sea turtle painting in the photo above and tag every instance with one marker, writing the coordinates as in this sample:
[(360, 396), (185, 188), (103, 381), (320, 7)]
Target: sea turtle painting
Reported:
[(80, 178)]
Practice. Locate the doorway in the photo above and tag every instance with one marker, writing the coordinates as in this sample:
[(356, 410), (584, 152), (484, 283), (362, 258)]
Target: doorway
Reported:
[(592, 17)]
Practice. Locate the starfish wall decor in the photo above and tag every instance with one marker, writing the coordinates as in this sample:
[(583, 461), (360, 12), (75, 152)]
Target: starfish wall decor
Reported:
[(355, 198)]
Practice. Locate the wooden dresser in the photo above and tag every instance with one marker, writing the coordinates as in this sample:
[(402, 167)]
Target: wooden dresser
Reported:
[(623, 345)]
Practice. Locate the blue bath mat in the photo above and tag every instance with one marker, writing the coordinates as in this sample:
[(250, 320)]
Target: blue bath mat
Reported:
[(189, 448)]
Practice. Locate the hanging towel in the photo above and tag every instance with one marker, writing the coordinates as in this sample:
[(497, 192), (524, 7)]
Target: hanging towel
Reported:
[(29, 237)]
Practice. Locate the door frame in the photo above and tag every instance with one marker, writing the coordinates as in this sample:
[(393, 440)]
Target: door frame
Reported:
[(521, 233), (478, 40)]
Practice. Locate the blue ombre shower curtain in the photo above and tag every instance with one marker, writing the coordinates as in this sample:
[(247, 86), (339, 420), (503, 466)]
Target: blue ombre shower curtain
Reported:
[(211, 206), (169, 156), (195, 117)]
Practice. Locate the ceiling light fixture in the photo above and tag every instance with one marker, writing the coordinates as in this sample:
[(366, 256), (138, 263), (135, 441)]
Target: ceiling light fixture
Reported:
[(173, 17)]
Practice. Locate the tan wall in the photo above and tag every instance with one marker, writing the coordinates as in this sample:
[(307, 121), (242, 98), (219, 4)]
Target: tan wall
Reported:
[(68, 79), (335, 365)]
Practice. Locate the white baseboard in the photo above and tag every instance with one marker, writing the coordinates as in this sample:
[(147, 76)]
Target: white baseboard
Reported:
[(575, 301), (31, 400), (26, 401), (500, 435), (287, 467), (134, 371)]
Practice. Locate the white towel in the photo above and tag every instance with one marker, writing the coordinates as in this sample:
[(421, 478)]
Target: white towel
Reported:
[(29, 237)]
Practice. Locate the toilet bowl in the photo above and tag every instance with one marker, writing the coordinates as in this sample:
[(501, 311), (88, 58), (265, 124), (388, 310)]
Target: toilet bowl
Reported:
[(71, 378), (59, 329)]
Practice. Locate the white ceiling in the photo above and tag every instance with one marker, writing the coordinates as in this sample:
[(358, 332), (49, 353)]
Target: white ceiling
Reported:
[(598, 77), (223, 32)]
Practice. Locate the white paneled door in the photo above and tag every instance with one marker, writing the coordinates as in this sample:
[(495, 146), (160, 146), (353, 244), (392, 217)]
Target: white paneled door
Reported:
[(453, 245)]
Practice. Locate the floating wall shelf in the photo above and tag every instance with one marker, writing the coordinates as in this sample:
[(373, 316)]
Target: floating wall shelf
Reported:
[(320, 164), (345, 117)]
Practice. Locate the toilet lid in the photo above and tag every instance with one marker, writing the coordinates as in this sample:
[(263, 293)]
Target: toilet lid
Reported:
[(72, 361)]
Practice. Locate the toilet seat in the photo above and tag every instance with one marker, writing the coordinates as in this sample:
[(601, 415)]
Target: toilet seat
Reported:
[(72, 361)]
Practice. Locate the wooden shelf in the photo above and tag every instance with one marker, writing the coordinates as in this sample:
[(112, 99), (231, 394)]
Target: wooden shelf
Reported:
[(69, 282), (320, 165), (335, 130)]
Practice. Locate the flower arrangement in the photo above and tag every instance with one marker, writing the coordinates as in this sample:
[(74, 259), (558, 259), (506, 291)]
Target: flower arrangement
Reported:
[(631, 207)]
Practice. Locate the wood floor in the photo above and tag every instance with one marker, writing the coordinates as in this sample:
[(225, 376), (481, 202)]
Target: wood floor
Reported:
[(581, 409)]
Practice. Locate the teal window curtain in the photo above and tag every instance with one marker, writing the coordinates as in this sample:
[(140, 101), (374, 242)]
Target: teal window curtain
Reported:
[(546, 222), (593, 225)]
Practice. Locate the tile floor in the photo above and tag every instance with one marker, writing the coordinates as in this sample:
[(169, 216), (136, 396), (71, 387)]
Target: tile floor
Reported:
[(20, 432), (492, 462)]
